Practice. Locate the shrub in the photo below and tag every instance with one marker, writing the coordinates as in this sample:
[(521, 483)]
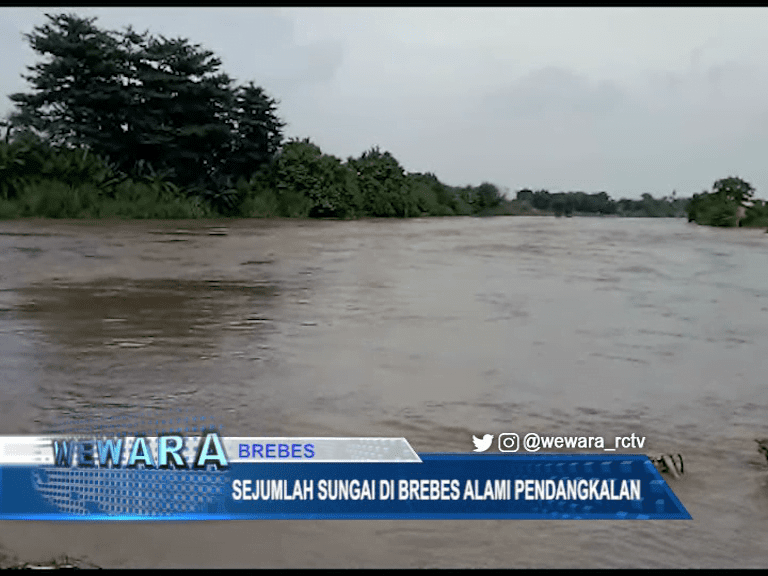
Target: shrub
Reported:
[(756, 216)]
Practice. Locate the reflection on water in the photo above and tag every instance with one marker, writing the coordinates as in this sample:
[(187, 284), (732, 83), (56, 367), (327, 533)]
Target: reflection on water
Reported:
[(430, 329)]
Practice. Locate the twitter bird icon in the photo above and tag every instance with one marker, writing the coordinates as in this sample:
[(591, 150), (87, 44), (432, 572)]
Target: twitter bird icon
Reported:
[(482, 444)]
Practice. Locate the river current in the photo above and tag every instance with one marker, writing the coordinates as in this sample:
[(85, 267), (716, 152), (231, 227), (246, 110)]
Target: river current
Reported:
[(429, 329)]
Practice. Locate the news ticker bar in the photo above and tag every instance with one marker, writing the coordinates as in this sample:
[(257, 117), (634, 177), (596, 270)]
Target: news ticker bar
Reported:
[(261, 450), (352, 478)]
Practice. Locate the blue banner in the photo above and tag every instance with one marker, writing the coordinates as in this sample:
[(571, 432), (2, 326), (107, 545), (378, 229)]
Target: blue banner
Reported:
[(440, 486)]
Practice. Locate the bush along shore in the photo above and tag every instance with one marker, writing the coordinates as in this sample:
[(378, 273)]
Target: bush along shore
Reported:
[(731, 203), (130, 125), (38, 179)]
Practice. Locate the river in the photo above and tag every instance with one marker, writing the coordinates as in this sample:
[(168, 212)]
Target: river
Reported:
[(432, 329)]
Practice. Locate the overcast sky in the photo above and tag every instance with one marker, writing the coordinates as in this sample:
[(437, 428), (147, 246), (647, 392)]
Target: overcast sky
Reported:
[(616, 99)]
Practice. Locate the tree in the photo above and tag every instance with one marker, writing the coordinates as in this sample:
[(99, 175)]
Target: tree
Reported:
[(525, 195), (711, 209), (541, 200), (143, 100), (78, 95), (729, 204), (304, 173), (562, 203), (258, 132), (734, 189), (487, 196), (382, 184), (602, 203), (182, 104), (431, 196)]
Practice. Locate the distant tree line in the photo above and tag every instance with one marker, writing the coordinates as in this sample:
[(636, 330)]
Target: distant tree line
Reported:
[(600, 203)]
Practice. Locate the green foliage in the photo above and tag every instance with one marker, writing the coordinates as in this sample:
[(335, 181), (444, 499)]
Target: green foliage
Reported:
[(29, 159), (78, 97), (13, 170), (525, 195), (756, 216), (181, 100), (8, 209), (307, 179), (137, 99), (483, 199), (487, 196), (462, 207), (430, 196), (257, 131), (600, 203), (37, 179), (382, 184), (131, 125), (258, 196), (648, 206), (261, 205), (734, 189), (57, 199), (541, 200), (142, 200), (731, 203)]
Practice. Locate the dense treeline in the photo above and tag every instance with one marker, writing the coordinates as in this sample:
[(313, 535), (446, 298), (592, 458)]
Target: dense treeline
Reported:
[(40, 179), (132, 125), (128, 124)]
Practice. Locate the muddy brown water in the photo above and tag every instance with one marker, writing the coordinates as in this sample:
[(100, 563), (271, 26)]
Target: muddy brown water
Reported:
[(432, 329)]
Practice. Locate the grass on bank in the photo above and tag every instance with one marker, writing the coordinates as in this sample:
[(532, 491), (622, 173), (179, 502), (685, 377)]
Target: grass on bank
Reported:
[(55, 199)]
